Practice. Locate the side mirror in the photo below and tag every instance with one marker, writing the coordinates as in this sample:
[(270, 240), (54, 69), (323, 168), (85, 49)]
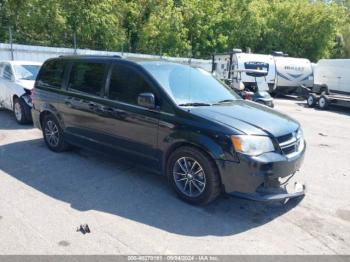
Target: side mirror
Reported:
[(146, 100)]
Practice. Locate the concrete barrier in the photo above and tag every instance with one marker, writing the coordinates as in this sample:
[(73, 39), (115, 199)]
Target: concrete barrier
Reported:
[(42, 53)]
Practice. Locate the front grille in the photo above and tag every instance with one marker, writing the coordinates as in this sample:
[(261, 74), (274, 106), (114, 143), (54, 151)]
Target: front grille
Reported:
[(289, 143), (289, 149), (284, 138)]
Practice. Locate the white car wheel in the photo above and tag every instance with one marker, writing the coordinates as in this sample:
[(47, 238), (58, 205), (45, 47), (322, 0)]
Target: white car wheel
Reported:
[(18, 111), (21, 111)]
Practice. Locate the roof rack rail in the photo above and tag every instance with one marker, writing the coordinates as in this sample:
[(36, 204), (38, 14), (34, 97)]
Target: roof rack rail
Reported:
[(116, 56)]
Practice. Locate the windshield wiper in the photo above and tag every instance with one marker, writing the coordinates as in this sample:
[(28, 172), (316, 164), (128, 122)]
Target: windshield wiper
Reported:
[(225, 101), (195, 104)]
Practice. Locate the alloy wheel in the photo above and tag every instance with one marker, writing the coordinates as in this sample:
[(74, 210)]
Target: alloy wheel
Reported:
[(52, 133), (189, 176)]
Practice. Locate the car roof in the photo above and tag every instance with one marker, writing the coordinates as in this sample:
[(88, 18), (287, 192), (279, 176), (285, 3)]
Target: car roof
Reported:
[(83, 57), (21, 62), (114, 58)]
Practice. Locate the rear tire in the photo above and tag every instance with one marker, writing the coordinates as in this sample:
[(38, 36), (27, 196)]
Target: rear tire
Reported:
[(311, 100), (323, 102), (53, 134), (21, 111), (193, 175)]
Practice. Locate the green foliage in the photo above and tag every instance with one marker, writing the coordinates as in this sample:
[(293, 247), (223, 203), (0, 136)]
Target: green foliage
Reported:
[(304, 29), (163, 32), (198, 28), (96, 23), (343, 42), (202, 20)]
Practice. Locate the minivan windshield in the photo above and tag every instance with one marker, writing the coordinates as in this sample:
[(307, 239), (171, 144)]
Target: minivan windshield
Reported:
[(190, 86), (26, 72)]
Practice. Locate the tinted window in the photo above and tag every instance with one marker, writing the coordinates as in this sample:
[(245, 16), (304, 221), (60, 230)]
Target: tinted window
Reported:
[(51, 74), (7, 72), (87, 77), (126, 84)]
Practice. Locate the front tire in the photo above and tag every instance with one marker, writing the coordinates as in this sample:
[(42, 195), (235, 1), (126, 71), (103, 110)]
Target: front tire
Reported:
[(21, 111), (193, 175), (53, 134)]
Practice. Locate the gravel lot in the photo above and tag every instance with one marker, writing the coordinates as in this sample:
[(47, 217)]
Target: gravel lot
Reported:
[(45, 196)]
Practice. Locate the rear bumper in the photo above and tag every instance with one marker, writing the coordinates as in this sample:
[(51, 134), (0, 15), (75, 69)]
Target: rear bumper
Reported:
[(267, 177)]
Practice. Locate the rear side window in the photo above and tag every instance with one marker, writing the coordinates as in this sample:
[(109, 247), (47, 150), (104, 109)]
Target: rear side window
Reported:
[(126, 84), (51, 74), (7, 72), (87, 77)]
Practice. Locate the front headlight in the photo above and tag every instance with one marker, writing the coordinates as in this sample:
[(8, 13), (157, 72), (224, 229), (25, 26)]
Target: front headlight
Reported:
[(299, 134), (252, 145), (300, 139)]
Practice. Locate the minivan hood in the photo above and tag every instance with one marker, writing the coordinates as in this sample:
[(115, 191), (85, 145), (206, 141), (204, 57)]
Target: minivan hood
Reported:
[(249, 118), (27, 84)]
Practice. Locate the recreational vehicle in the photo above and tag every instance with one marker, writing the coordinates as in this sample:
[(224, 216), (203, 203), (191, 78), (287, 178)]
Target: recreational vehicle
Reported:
[(293, 73), (225, 67), (332, 83)]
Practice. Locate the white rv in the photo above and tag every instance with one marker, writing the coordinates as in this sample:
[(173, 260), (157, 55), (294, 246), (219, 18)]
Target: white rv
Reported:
[(332, 83), (293, 73), (226, 66)]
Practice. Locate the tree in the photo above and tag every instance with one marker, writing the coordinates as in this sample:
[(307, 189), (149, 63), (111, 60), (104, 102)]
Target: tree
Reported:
[(245, 23), (203, 19), (164, 33), (33, 21), (305, 29), (344, 37), (312, 29), (96, 23)]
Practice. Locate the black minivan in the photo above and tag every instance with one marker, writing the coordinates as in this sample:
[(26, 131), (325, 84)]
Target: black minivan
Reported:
[(173, 118)]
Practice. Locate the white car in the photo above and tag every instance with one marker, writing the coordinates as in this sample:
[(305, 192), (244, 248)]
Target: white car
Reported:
[(16, 83)]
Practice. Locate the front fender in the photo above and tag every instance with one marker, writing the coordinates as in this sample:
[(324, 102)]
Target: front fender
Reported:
[(218, 147)]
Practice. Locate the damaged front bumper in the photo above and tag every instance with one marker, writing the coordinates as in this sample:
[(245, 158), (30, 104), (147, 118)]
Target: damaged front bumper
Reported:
[(277, 189), (270, 176), (26, 98)]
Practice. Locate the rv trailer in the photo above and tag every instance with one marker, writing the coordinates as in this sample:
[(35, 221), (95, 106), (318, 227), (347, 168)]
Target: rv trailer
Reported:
[(250, 75), (293, 74), (225, 66), (332, 83)]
